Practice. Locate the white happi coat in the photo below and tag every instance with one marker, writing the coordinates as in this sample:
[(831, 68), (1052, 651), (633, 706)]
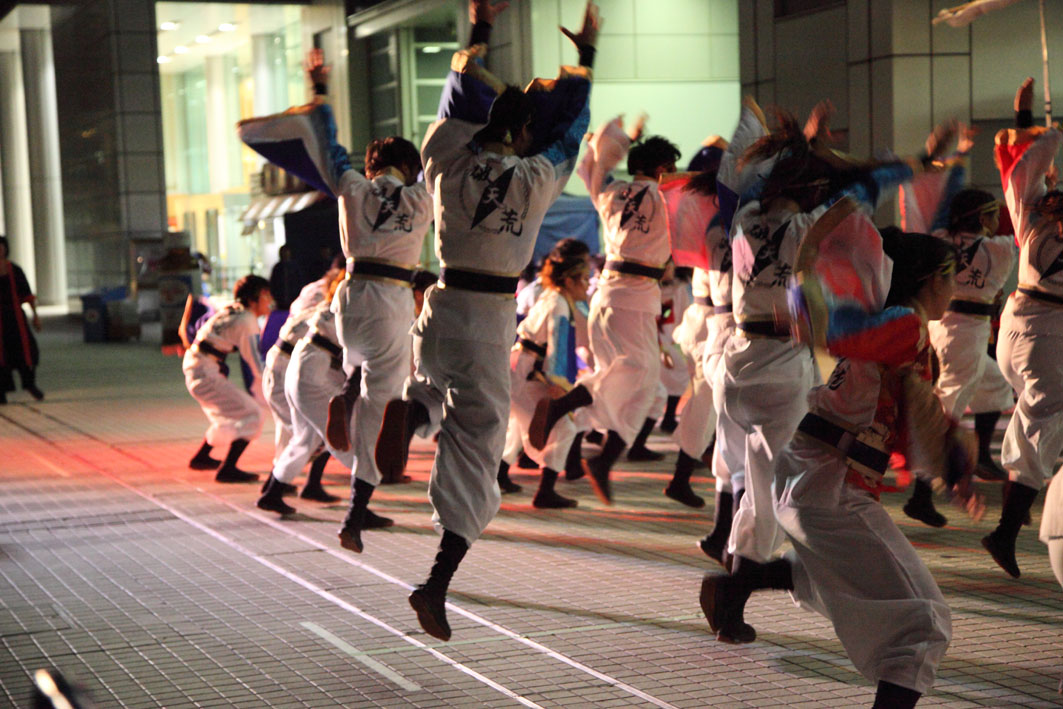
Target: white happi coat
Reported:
[(488, 210), (969, 376), (232, 412), (314, 376), (273, 376), (552, 323), (381, 220), (624, 308), (1031, 330)]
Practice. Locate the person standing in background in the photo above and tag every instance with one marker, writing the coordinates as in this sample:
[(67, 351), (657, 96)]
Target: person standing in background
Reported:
[(18, 347)]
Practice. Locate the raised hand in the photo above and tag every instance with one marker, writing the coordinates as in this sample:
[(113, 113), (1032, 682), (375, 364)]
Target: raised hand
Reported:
[(967, 135), (939, 139), (1024, 95), (316, 68), (588, 34), (817, 127), (485, 11), (637, 128)]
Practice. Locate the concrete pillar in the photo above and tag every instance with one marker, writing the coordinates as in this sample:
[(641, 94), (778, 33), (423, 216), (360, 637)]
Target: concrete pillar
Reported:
[(219, 127), (15, 162), (42, 120), (268, 73)]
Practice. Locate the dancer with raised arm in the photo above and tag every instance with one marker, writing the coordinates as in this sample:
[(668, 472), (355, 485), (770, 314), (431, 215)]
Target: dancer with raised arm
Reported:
[(495, 160)]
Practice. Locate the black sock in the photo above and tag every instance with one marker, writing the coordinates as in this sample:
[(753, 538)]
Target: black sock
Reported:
[(776, 574), (317, 469), (547, 481), (684, 468), (984, 426), (452, 548), (575, 454), (670, 407), (894, 696), (236, 449), (644, 434), (612, 448), (203, 452), (576, 397), (361, 492)]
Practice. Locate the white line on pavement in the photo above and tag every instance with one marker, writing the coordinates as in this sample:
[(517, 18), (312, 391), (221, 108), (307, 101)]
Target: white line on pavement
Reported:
[(476, 618), (362, 657)]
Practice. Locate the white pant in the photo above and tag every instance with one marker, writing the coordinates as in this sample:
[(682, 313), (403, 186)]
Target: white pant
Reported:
[(1033, 365), (765, 385), (525, 395), (373, 325), (698, 422), (627, 365), (232, 412), (514, 441), (273, 388), (675, 380), (309, 384), (853, 566), (1051, 532), (464, 385), (969, 376)]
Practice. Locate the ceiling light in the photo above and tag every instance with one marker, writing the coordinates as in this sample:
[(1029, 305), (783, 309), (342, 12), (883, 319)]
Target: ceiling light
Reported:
[(169, 26), (163, 59), (202, 39), (431, 49), (180, 49), (226, 27)]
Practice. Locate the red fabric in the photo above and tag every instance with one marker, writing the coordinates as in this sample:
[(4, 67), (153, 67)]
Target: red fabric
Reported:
[(20, 320)]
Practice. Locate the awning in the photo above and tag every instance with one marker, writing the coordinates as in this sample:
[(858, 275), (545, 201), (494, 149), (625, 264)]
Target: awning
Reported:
[(277, 206)]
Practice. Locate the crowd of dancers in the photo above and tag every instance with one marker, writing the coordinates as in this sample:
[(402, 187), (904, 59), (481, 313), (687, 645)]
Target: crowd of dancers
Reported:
[(786, 264)]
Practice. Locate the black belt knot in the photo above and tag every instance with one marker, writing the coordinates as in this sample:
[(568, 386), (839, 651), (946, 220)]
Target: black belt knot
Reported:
[(970, 307), (335, 350), (703, 300), (533, 347), (847, 444), (478, 282), (634, 269), (380, 270)]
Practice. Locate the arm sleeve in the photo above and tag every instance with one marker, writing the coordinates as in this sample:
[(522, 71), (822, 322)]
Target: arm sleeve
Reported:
[(892, 337), (22, 286), (730, 182), (302, 141), (560, 361), (469, 89), (869, 188), (1022, 168), (249, 350), (957, 178), (607, 147)]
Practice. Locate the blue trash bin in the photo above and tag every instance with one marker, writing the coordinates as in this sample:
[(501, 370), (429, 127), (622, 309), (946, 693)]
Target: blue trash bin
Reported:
[(94, 317)]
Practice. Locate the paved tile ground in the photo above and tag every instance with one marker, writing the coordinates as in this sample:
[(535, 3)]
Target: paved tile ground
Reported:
[(153, 586)]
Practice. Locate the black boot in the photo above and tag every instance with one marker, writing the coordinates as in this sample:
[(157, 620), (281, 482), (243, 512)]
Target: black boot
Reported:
[(313, 489), (921, 505), (401, 419), (202, 460), (29, 383), (228, 472), (524, 462), (546, 498), (504, 483), (679, 488), (287, 490), (714, 544), (984, 426), (574, 461), (549, 411), (1000, 543), (429, 599), (273, 499), (351, 533), (340, 408), (894, 696), (723, 598), (669, 422), (639, 453), (599, 467), (1004, 490)]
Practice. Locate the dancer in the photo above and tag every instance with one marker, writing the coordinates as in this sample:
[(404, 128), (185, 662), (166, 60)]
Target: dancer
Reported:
[(383, 218), (235, 415), (18, 347), (493, 170), (850, 562), (544, 361), (675, 299), (1031, 327), (704, 322), (620, 391), (766, 379)]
